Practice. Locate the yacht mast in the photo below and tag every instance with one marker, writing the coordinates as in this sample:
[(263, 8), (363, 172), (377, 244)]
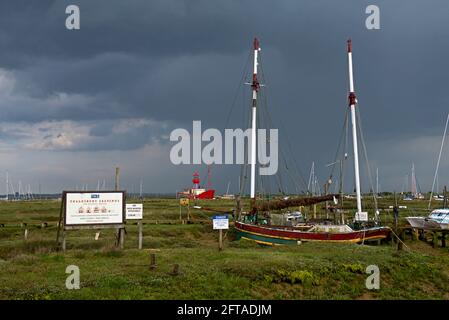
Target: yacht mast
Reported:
[(413, 187), (141, 188), (7, 185), (435, 177), (352, 104), (255, 88), (377, 181)]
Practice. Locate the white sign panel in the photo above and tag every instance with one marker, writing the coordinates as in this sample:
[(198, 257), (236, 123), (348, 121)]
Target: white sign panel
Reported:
[(94, 208), (361, 216), (220, 222), (134, 211)]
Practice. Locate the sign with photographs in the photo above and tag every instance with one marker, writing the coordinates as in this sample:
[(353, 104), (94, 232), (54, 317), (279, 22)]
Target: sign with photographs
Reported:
[(87, 208)]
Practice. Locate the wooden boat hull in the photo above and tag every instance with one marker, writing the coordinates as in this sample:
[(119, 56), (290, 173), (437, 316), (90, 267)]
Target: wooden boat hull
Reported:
[(272, 235), (426, 223)]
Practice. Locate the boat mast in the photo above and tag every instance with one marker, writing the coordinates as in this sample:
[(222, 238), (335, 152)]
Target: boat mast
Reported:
[(141, 188), (352, 103), (7, 185), (377, 181), (435, 177), (413, 188), (255, 88)]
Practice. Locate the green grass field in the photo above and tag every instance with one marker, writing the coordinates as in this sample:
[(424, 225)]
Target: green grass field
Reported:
[(35, 269)]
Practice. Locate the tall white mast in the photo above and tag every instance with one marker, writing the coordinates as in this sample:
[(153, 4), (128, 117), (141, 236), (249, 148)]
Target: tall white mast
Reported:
[(435, 177), (141, 188), (7, 185), (352, 103), (311, 184), (377, 181), (413, 187), (255, 87)]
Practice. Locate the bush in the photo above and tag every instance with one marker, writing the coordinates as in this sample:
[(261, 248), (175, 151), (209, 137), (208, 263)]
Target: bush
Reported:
[(299, 276)]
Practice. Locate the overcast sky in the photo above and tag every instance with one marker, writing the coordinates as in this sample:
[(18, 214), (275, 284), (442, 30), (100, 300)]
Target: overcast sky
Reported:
[(76, 103)]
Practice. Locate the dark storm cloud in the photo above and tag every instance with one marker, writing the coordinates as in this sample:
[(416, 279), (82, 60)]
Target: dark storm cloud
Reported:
[(177, 61)]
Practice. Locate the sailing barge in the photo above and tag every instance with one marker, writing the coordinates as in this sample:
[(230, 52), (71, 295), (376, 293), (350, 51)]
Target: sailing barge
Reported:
[(273, 235), (248, 226)]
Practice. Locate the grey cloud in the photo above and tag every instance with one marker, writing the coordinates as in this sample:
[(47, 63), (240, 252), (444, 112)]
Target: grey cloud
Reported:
[(178, 61)]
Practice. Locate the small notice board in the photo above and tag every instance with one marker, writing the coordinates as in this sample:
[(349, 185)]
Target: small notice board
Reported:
[(361, 216), (220, 222), (134, 211)]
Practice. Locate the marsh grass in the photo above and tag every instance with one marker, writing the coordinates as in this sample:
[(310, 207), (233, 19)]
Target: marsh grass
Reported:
[(35, 269)]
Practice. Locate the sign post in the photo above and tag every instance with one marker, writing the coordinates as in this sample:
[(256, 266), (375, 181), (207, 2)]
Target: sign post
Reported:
[(220, 223), (184, 202), (134, 211)]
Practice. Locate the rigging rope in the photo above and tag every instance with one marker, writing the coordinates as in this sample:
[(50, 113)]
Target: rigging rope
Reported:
[(264, 106), (367, 163), (438, 162)]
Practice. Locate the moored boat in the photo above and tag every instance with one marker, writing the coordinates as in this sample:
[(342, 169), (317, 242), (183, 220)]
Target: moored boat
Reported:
[(262, 231), (438, 219), (273, 235)]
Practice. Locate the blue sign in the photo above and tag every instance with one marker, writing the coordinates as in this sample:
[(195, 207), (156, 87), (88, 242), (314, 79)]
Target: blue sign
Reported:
[(220, 217), (94, 196)]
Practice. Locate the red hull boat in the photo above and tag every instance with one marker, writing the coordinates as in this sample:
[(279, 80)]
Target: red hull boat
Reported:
[(272, 235)]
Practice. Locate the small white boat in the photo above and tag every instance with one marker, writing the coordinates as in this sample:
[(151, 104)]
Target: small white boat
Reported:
[(438, 219)]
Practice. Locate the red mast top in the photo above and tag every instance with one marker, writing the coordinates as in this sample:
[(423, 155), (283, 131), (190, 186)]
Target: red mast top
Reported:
[(255, 85), (256, 44), (349, 45)]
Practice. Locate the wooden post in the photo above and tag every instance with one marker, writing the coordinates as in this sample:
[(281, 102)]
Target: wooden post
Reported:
[(238, 208), (421, 235), (220, 240), (117, 178), (63, 241), (415, 234), (140, 235), (61, 217), (175, 271), (122, 238), (444, 197), (443, 239), (153, 264), (400, 240), (314, 211), (25, 235), (402, 235), (121, 231), (435, 240)]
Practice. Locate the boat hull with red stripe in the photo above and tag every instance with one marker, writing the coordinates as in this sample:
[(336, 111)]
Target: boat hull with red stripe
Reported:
[(273, 235)]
